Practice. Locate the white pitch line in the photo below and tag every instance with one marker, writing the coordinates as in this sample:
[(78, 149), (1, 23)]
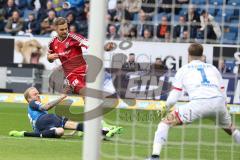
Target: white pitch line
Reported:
[(111, 142)]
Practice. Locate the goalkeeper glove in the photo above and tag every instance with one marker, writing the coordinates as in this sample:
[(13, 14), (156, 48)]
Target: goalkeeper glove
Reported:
[(164, 109)]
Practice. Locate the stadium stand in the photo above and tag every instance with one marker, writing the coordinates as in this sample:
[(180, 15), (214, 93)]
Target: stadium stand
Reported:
[(223, 14)]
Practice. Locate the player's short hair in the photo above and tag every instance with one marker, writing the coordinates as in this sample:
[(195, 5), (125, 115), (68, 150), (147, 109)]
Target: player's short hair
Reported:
[(60, 21), (26, 93), (195, 49), (131, 54), (203, 12)]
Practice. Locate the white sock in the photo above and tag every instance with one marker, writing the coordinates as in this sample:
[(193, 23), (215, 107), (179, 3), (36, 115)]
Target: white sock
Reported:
[(157, 147), (236, 135), (160, 138)]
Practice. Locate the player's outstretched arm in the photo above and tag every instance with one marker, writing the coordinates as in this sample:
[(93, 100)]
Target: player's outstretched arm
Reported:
[(53, 103), (172, 98)]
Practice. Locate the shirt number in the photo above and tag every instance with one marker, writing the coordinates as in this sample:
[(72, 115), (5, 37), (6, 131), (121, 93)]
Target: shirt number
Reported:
[(204, 77)]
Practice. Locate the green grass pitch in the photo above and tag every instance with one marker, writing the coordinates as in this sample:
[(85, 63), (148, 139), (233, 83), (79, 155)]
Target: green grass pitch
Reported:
[(205, 143)]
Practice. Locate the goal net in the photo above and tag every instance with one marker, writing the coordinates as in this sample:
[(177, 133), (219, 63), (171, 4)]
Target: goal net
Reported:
[(156, 34)]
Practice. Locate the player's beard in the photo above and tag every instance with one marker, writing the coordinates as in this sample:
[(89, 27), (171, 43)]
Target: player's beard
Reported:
[(63, 36)]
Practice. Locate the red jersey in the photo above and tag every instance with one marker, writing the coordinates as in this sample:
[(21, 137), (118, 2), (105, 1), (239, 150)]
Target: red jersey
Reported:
[(69, 51)]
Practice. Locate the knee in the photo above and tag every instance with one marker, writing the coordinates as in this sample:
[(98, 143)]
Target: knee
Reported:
[(59, 131), (162, 125), (171, 119)]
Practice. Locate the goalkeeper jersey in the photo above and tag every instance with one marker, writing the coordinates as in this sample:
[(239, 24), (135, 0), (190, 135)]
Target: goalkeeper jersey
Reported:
[(200, 80)]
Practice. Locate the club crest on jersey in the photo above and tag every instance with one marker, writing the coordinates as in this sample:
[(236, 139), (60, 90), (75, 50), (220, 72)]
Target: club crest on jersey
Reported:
[(38, 103), (67, 44)]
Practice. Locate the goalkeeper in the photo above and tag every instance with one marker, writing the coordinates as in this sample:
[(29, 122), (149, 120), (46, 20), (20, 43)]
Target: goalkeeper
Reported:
[(47, 125), (204, 85)]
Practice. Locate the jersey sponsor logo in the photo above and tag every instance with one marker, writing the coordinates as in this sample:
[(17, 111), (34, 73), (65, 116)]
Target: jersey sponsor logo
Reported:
[(64, 53)]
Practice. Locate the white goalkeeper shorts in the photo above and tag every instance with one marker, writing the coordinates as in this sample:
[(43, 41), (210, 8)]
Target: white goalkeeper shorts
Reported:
[(200, 108)]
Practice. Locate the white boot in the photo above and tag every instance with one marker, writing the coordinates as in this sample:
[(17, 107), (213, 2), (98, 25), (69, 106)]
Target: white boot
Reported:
[(236, 136)]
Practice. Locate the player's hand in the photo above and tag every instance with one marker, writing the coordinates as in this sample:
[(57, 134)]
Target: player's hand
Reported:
[(67, 89), (164, 109), (52, 57), (109, 46)]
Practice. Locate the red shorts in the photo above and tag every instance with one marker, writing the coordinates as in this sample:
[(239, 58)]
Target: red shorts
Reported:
[(77, 78)]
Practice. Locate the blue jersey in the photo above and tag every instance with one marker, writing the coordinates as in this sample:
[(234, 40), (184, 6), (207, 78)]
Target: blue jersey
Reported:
[(35, 111)]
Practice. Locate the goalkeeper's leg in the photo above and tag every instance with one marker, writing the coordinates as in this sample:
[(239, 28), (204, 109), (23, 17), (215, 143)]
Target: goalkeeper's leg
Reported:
[(161, 134), (179, 115), (235, 133), (226, 123)]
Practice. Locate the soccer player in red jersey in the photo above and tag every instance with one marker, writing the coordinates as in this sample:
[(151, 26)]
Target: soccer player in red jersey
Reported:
[(68, 48)]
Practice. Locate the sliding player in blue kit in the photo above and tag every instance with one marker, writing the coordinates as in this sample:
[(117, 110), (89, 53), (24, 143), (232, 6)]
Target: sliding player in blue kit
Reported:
[(47, 125)]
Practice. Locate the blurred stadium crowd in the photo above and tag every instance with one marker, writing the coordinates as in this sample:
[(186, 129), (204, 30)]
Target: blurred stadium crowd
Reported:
[(206, 21)]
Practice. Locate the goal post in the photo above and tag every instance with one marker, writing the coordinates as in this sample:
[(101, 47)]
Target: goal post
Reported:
[(92, 127)]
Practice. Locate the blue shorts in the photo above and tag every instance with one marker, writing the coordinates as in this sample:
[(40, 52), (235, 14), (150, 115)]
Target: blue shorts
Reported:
[(49, 121)]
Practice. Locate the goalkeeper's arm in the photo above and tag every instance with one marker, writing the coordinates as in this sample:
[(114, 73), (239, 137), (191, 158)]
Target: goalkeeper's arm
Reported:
[(173, 98)]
